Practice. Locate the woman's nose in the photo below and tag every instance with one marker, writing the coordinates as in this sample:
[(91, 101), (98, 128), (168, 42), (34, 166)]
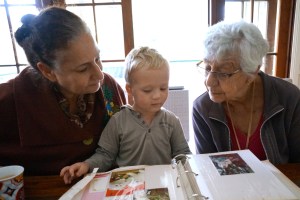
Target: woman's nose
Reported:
[(211, 79), (98, 71)]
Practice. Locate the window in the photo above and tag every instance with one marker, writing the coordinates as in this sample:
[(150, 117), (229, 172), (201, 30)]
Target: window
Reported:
[(174, 27), (274, 18), (260, 14), (12, 59), (105, 21)]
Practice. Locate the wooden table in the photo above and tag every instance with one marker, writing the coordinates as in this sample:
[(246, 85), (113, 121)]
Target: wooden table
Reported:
[(44, 187), (52, 187), (292, 171)]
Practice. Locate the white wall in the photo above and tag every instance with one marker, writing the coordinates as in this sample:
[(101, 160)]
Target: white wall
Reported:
[(295, 57)]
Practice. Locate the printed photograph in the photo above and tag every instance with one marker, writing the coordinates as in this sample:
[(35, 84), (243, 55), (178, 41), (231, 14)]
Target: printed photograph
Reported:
[(126, 182), (157, 194), (152, 194), (230, 164)]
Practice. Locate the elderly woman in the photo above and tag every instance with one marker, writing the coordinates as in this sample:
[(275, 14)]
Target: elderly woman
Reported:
[(243, 107)]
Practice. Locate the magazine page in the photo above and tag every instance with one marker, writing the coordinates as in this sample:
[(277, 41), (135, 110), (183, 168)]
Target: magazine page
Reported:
[(236, 175), (134, 183), (75, 192), (96, 189)]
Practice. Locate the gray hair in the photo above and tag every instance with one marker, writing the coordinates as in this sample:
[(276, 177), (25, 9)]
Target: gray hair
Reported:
[(143, 57), (240, 40)]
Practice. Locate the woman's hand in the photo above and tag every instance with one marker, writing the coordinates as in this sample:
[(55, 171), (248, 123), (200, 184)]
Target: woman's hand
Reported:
[(76, 170)]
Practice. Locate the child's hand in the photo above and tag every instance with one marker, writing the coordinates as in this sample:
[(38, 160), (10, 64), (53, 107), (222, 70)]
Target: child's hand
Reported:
[(76, 170)]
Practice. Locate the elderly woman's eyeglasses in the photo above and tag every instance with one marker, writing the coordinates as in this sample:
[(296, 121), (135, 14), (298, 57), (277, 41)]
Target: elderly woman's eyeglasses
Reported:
[(202, 67)]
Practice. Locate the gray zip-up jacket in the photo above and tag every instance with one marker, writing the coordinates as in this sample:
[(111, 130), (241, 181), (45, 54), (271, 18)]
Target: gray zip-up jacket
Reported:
[(280, 131)]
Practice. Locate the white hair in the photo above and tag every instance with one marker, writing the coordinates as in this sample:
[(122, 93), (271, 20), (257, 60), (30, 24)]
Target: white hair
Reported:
[(240, 40)]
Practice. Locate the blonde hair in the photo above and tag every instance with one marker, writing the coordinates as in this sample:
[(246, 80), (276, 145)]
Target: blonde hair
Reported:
[(143, 57)]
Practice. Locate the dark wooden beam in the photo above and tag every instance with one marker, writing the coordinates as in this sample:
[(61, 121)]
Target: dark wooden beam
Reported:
[(216, 10), (127, 26), (284, 38)]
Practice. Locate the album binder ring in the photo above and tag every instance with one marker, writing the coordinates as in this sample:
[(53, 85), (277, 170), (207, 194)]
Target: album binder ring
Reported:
[(186, 177), (197, 195), (179, 157), (180, 175)]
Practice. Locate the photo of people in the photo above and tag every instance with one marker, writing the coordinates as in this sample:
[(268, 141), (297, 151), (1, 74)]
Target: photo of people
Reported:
[(158, 194), (230, 164)]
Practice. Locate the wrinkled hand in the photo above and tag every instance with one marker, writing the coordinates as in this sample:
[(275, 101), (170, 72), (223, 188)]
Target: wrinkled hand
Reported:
[(76, 170)]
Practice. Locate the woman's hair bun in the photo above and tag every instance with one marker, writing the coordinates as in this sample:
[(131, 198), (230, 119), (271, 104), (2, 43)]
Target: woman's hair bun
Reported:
[(27, 19), (26, 29)]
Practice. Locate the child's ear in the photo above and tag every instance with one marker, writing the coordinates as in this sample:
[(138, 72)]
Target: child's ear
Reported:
[(46, 71), (129, 93), (128, 88)]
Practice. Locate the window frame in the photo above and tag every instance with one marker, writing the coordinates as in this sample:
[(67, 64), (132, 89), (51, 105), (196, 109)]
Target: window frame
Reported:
[(283, 40)]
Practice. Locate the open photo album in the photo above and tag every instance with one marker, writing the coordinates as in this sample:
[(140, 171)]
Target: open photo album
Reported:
[(216, 176)]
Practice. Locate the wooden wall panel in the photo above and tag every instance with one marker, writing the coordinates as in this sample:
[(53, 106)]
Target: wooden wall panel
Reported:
[(284, 35)]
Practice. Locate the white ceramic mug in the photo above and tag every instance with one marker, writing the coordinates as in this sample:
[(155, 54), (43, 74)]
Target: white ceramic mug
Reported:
[(11, 182)]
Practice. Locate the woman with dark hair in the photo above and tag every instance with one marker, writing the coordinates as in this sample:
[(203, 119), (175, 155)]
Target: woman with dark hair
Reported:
[(52, 114)]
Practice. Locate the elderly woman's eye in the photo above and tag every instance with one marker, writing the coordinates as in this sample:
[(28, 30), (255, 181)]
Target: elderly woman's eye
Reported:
[(222, 75), (97, 59), (207, 67)]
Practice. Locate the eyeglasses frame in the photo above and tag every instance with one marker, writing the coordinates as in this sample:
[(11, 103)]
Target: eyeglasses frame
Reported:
[(217, 74)]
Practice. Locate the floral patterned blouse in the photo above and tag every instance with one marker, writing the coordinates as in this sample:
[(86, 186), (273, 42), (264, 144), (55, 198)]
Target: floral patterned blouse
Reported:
[(85, 106)]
